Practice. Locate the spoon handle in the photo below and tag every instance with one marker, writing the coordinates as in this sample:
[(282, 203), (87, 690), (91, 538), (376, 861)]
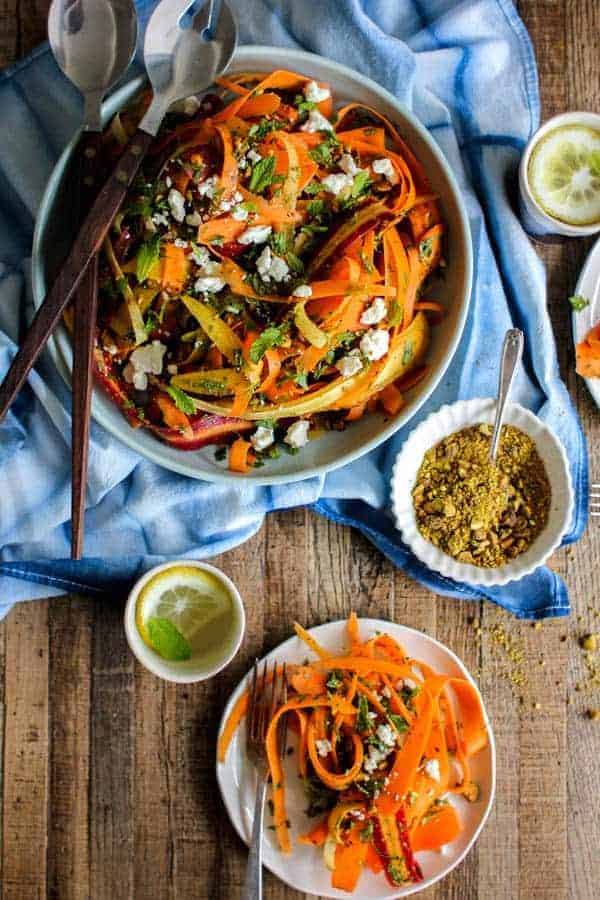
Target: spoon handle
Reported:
[(512, 351), (87, 243)]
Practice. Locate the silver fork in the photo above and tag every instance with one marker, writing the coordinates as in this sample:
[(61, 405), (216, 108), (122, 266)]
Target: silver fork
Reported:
[(264, 702), (595, 500)]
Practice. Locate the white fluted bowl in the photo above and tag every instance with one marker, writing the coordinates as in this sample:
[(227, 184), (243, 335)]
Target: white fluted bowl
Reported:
[(435, 428)]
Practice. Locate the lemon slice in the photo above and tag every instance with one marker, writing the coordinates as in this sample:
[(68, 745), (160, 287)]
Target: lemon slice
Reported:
[(564, 174), (188, 597)]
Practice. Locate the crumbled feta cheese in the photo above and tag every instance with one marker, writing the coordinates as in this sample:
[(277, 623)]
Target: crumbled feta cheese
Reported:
[(211, 284), (208, 187), (372, 716), (146, 360), (253, 155), (169, 181), (200, 256), (242, 163), (262, 438), (176, 202), (194, 220), (374, 758), (384, 167), (432, 768), (172, 369), (238, 197), (374, 313), (316, 122), (180, 243), (270, 266), (386, 735), (408, 683), (189, 106), (335, 183), (323, 747), (386, 692), (240, 214), (348, 165), (303, 290), (375, 344), (258, 234), (350, 365), (160, 219), (315, 93), (211, 267), (297, 434)]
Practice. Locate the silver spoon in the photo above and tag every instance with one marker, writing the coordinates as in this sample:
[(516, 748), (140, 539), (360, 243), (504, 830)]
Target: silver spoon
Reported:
[(180, 62), (512, 351), (93, 42)]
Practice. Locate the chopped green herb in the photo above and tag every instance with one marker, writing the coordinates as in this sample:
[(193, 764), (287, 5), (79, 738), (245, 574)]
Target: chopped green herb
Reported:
[(263, 128), (399, 722), (148, 256), (263, 175), (181, 400), (151, 322), (363, 722), (578, 302), (426, 248), (271, 337), (302, 105), (366, 833), (321, 154), (335, 680)]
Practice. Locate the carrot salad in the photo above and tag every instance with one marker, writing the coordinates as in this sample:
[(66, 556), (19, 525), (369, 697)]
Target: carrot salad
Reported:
[(265, 279), (588, 354), (383, 744)]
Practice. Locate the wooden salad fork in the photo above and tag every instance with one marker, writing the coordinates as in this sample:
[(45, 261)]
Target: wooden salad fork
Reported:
[(93, 45), (265, 700)]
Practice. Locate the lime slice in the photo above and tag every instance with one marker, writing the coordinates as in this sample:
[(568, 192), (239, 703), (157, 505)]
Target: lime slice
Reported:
[(188, 597), (564, 174)]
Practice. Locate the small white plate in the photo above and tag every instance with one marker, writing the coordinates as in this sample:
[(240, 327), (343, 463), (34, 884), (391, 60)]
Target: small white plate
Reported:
[(588, 286), (304, 869), (454, 417)]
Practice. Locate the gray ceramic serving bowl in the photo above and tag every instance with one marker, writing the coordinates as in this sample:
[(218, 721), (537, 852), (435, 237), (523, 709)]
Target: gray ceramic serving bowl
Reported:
[(52, 236)]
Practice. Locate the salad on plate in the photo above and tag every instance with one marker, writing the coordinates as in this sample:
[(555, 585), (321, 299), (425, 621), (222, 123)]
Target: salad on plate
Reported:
[(385, 745)]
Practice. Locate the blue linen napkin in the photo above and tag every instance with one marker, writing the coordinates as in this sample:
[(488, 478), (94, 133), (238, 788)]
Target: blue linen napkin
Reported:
[(468, 72)]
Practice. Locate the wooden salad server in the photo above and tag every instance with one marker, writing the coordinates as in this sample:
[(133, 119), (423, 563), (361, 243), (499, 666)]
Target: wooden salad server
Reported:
[(93, 42)]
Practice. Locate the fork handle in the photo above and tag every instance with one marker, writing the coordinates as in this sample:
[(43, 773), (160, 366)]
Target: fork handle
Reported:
[(87, 243), (252, 889)]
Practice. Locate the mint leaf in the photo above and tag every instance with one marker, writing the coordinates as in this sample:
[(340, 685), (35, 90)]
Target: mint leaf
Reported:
[(363, 722), (148, 256), (399, 721), (578, 302), (361, 184), (263, 175), (425, 248), (271, 337), (167, 640), (181, 400), (321, 154)]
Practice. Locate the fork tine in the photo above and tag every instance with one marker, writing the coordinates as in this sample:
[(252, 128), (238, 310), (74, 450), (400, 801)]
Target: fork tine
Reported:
[(251, 718), (260, 729), (284, 722)]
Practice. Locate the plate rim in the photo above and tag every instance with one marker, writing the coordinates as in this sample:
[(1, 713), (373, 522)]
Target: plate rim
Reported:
[(291, 57), (374, 624), (577, 321)]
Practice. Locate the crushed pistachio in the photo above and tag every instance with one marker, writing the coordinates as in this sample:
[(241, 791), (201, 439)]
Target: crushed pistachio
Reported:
[(478, 512), (590, 642)]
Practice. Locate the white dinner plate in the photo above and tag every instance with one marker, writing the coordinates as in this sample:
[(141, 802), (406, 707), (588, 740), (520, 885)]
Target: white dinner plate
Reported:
[(589, 286), (304, 869)]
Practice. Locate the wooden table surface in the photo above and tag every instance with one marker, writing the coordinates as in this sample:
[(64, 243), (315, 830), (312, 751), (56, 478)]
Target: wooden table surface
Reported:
[(107, 777)]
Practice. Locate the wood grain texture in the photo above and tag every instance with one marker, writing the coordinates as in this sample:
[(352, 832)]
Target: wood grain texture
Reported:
[(107, 776)]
